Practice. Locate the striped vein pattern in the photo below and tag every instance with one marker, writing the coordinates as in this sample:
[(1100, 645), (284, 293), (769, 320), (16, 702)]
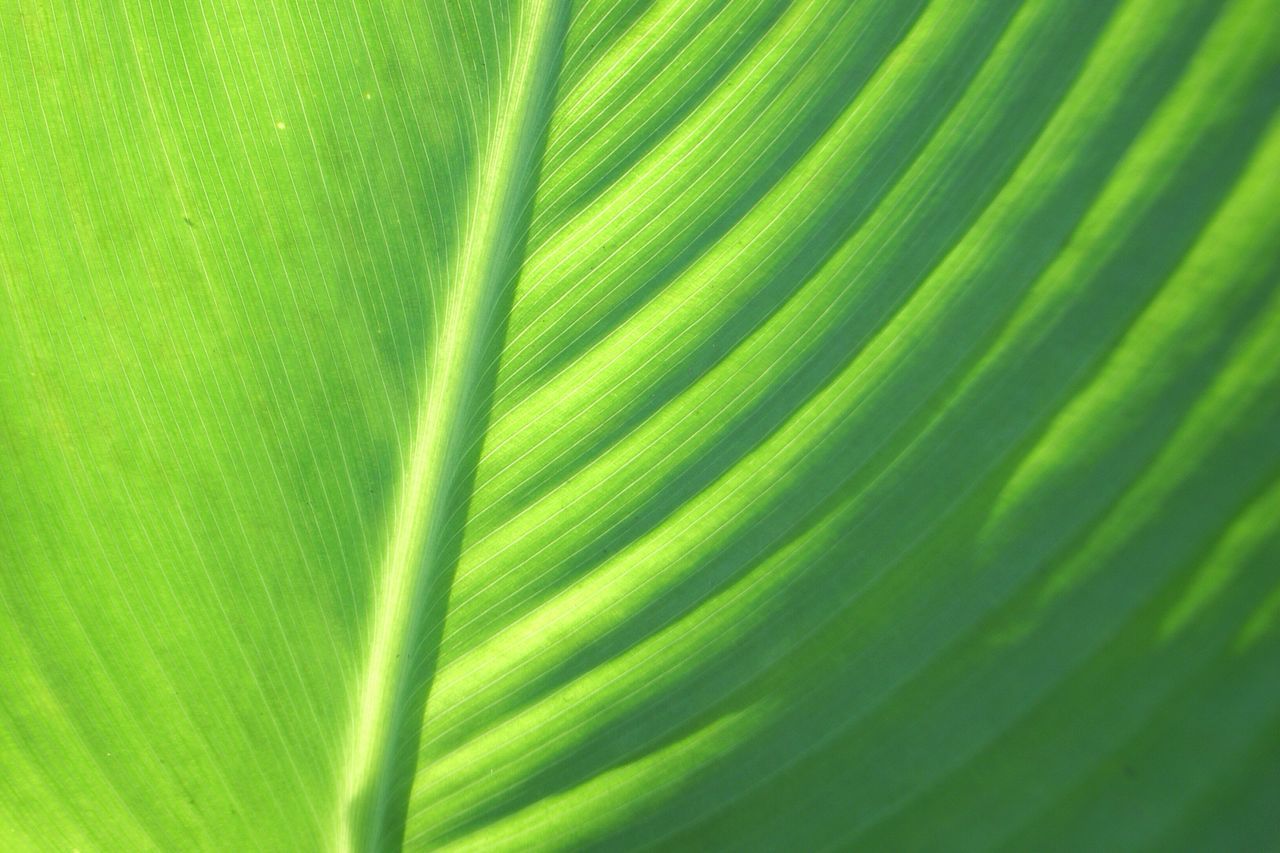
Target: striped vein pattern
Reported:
[(867, 433)]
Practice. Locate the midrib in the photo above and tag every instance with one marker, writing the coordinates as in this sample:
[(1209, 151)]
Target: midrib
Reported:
[(388, 708)]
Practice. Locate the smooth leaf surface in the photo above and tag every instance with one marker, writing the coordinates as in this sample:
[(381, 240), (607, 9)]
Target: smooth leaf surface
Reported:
[(698, 424)]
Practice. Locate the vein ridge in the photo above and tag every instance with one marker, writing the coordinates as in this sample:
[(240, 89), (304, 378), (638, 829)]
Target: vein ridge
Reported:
[(420, 553)]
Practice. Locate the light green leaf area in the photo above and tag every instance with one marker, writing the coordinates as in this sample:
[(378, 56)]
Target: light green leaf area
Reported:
[(682, 424)]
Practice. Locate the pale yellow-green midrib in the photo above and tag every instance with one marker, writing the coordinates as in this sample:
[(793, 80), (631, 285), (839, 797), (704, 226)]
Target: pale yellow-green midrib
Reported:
[(372, 791)]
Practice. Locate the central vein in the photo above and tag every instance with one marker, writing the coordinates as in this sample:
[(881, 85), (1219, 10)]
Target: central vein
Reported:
[(382, 752)]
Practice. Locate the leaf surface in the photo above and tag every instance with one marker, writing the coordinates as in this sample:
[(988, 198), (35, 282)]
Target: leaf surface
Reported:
[(713, 425)]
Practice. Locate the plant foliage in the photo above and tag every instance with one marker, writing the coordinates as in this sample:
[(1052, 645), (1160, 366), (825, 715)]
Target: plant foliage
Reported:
[(697, 424)]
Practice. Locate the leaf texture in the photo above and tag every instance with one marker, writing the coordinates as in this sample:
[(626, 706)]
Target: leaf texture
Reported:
[(696, 424)]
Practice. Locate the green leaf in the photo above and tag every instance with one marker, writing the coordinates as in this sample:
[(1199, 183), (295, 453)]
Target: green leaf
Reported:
[(698, 424)]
